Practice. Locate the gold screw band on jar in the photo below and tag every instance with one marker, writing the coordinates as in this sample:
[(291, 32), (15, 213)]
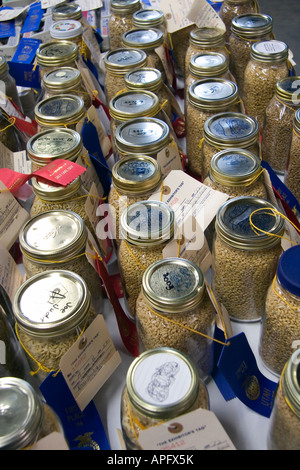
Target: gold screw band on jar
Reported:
[(213, 94), (208, 65), (292, 174), (124, 7), (272, 51), (252, 25), (66, 11), (50, 193), (134, 104), (148, 18), (65, 110), (57, 54), (144, 78), (146, 39), (121, 61)]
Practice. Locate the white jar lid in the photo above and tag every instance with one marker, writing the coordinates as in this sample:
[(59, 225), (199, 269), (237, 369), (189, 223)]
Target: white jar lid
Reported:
[(65, 29)]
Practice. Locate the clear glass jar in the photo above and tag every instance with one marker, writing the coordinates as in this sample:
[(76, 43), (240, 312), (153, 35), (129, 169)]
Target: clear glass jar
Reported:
[(57, 239), (10, 88), (117, 64), (204, 99), (25, 418), (232, 8), (134, 179), (267, 65), (64, 110), (121, 20), (66, 11), (245, 30), (207, 65), (281, 325), (244, 259), (228, 130), (54, 54), (173, 298), (284, 430), (236, 172), (291, 178), (52, 309), (146, 227), (161, 384), (150, 18)]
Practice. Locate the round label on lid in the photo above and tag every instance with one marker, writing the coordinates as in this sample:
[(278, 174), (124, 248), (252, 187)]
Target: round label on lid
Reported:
[(230, 126), (270, 47), (135, 103), (125, 57), (143, 132), (144, 76), (54, 142), (136, 170), (61, 75), (236, 164), (213, 90)]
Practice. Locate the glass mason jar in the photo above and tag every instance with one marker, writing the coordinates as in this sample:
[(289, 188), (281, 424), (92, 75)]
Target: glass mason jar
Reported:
[(52, 144), (277, 130), (60, 111), (121, 20), (207, 65), (54, 54), (134, 179), (173, 297), (236, 172), (10, 88), (228, 130), (150, 18), (117, 64), (280, 325), (244, 259), (67, 30), (146, 227), (291, 178), (284, 430), (161, 384), (204, 40), (25, 418), (66, 11), (204, 99), (245, 30), (57, 239), (267, 65), (232, 8), (52, 309)]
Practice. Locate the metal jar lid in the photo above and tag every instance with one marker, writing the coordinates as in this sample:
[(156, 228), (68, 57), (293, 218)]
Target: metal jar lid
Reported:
[(57, 53), (124, 7), (146, 39), (51, 144), (297, 121), (142, 135), (51, 303), (234, 167), (21, 414), (287, 89), (65, 10), (54, 235), (252, 25), (207, 37), (227, 130), (62, 79), (234, 228), (213, 93), (120, 61), (134, 104), (291, 382), (288, 270), (66, 29), (208, 64), (136, 174), (60, 110), (148, 223), (173, 285), (148, 18), (162, 383), (53, 193), (271, 51), (145, 78)]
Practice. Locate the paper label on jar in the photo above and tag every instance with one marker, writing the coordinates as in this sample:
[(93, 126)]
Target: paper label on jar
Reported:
[(197, 430), (53, 441), (11, 277), (88, 364), (16, 161), (203, 15), (169, 159)]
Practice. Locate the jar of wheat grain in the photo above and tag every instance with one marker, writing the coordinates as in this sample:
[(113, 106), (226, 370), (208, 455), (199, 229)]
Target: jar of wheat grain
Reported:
[(232, 8), (54, 54), (120, 20), (291, 178)]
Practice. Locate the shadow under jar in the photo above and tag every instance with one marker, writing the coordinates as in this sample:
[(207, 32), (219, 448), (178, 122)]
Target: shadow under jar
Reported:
[(121, 20), (292, 174), (161, 384), (244, 259), (60, 111), (173, 301), (232, 8), (54, 54)]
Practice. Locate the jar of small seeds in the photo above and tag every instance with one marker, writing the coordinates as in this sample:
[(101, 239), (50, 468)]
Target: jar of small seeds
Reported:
[(207, 65), (54, 54), (245, 258), (228, 130), (121, 20), (284, 430), (205, 98), (60, 111), (174, 310), (281, 326), (117, 64), (134, 179), (245, 30), (146, 227), (292, 178), (267, 65), (161, 384), (52, 309), (232, 8)]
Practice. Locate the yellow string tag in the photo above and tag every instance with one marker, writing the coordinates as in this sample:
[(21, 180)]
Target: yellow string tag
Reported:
[(274, 212)]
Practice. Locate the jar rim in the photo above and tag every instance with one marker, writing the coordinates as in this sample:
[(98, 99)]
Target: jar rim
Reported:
[(148, 17), (137, 38), (207, 37), (213, 63), (66, 10), (213, 93), (251, 25), (136, 179), (51, 193), (47, 111), (285, 89), (115, 62), (269, 51), (66, 29), (125, 105), (230, 129), (125, 7), (66, 52), (70, 78), (153, 84)]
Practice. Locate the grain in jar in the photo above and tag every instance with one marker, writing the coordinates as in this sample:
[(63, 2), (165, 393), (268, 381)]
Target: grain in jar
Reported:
[(291, 178), (245, 30), (174, 310), (281, 325), (179, 42), (134, 179), (54, 54), (117, 64), (25, 417), (207, 65), (66, 11), (64, 110), (204, 99), (10, 87), (245, 259), (57, 239), (284, 429), (146, 227), (161, 384), (232, 8), (228, 130), (121, 20), (267, 65), (52, 309)]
